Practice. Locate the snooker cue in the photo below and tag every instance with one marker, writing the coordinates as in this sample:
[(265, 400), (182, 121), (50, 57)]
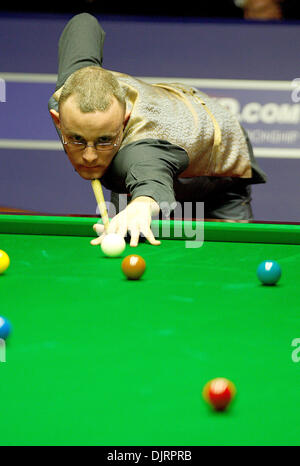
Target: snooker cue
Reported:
[(97, 188)]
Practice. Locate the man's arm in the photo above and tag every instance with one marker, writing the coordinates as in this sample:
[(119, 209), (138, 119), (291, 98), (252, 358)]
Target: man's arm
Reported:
[(147, 168)]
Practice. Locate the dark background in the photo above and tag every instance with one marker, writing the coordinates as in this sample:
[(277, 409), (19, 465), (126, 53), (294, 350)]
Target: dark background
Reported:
[(200, 8)]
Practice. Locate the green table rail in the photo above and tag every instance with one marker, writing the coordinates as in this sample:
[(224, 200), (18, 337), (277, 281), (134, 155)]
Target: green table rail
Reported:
[(212, 231)]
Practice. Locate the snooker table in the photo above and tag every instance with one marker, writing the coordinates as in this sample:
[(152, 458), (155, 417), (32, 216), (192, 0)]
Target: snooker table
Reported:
[(96, 359)]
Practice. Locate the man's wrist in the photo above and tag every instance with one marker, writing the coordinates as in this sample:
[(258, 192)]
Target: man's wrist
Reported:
[(148, 201)]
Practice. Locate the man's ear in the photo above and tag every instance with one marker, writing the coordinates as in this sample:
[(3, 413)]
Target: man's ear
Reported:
[(126, 118), (55, 117)]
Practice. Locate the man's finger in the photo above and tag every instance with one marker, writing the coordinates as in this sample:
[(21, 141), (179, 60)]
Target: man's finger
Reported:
[(135, 234), (98, 228), (97, 241), (150, 237)]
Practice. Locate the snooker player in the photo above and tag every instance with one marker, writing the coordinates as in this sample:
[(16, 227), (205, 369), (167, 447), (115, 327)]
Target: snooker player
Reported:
[(157, 143)]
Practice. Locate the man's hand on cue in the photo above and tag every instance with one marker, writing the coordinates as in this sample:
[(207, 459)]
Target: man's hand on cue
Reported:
[(135, 218)]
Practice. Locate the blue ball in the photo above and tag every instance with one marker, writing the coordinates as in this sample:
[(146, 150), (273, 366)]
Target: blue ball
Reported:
[(5, 328), (269, 272)]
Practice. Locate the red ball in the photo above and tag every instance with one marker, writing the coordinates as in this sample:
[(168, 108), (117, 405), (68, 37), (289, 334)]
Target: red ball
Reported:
[(133, 266), (219, 393)]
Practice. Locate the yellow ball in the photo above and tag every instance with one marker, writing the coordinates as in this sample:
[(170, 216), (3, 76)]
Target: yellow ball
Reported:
[(4, 261)]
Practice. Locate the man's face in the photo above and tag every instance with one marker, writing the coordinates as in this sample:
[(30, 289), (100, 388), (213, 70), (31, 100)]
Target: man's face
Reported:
[(91, 129)]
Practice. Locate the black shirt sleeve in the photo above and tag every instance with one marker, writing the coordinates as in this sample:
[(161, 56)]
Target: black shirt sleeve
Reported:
[(147, 168)]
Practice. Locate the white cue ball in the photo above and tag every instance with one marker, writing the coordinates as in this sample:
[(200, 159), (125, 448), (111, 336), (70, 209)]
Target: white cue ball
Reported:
[(113, 245)]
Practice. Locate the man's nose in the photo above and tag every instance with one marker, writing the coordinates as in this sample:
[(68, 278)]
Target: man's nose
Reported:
[(89, 154)]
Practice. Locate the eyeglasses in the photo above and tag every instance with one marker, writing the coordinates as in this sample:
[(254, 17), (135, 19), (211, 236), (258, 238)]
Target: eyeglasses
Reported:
[(99, 146)]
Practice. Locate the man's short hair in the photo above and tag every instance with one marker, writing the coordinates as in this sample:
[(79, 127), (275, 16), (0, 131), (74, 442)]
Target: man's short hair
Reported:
[(93, 88)]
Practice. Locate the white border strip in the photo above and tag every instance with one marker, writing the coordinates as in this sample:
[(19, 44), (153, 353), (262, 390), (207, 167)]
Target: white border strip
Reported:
[(31, 144), (276, 153), (226, 83), (205, 83), (29, 77)]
